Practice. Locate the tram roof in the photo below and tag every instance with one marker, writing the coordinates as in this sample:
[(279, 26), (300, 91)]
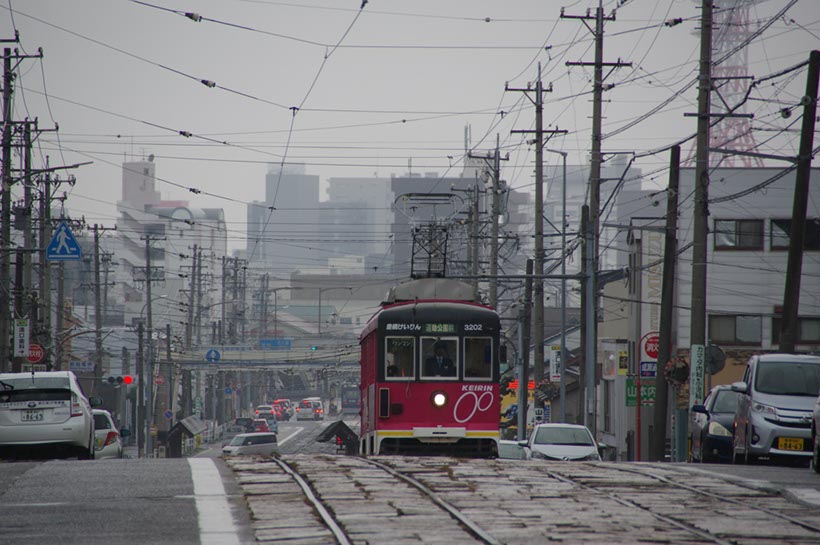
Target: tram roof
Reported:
[(431, 289)]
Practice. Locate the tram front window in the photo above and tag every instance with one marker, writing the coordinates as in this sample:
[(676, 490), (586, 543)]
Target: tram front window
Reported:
[(440, 357), (478, 358), (399, 357)]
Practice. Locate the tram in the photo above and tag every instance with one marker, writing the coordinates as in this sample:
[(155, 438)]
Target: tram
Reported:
[(430, 373), (351, 399)]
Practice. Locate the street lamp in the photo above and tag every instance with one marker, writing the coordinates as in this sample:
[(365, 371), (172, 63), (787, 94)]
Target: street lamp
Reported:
[(563, 284)]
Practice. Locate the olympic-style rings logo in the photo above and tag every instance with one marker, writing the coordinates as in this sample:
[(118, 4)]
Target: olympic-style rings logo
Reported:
[(479, 404)]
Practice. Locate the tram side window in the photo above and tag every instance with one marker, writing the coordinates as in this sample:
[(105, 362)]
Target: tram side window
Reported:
[(400, 353), (440, 357), (478, 358)]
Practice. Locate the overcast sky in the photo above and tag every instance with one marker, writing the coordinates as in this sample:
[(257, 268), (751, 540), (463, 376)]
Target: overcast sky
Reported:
[(375, 87)]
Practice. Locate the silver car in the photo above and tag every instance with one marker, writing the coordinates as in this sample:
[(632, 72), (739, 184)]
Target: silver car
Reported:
[(251, 443), (46, 409), (774, 409)]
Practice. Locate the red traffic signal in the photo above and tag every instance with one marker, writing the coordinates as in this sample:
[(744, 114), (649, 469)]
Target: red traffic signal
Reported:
[(126, 379)]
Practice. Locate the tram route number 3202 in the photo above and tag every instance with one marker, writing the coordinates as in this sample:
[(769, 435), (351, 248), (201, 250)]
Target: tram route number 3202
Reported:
[(473, 327)]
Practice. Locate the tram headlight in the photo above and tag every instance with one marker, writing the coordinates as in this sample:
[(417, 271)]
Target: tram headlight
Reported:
[(439, 399)]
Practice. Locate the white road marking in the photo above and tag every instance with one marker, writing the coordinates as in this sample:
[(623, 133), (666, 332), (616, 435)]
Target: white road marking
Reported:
[(296, 432), (807, 495), (216, 524)]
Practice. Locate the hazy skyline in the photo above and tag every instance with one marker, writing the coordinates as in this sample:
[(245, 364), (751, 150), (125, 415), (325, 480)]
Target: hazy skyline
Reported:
[(376, 87)]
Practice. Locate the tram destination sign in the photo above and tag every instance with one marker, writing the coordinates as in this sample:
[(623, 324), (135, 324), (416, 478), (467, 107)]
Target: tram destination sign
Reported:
[(439, 328)]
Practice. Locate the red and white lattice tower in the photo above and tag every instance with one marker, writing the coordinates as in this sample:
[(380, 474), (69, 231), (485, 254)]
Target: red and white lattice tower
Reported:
[(732, 26)]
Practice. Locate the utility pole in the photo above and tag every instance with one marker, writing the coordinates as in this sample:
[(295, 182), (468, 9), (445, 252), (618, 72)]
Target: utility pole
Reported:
[(789, 330), (538, 300), (587, 377), (524, 351), (198, 316), (697, 333), (264, 307), (141, 383), (5, 234), (494, 232), (149, 277), (495, 173), (590, 324), (5, 202), (670, 250), (189, 326), (476, 254), (98, 311)]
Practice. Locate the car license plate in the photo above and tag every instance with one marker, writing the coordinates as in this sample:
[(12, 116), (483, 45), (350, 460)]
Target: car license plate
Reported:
[(32, 416), (790, 443)]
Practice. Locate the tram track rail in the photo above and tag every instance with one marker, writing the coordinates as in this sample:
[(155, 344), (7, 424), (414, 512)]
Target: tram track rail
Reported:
[(748, 505), (677, 521)]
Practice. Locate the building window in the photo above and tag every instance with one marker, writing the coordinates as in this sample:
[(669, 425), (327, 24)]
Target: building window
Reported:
[(738, 234), (735, 329), (781, 234), (808, 330)]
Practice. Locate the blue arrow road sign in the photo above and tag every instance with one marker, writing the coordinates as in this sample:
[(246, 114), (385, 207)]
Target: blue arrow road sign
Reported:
[(213, 355), (63, 245)]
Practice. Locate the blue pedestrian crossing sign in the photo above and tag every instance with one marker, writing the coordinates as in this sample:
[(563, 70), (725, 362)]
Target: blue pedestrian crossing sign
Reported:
[(63, 245)]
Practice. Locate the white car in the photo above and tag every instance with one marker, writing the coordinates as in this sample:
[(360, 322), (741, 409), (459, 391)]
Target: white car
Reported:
[(251, 443), (46, 409), (108, 440), (567, 442)]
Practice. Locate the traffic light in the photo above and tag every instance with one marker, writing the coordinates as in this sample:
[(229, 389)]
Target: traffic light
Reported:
[(124, 379), (313, 347)]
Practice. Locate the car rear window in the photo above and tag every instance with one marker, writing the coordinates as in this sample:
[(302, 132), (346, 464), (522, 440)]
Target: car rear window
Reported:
[(101, 422), (24, 383), (42, 394)]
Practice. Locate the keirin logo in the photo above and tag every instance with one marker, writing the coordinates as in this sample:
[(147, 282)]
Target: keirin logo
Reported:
[(480, 403)]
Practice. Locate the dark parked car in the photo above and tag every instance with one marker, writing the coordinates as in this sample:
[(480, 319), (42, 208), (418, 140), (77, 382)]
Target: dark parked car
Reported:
[(246, 423), (713, 424)]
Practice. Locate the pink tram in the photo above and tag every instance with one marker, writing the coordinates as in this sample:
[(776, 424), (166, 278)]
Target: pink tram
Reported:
[(430, 373)]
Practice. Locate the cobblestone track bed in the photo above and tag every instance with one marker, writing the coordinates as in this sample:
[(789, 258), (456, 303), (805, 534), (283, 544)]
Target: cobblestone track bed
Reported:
[(370, 504), (518, 502)]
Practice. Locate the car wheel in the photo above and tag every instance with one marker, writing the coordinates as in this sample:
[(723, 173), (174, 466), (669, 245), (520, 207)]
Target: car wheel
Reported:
[(815, 457)]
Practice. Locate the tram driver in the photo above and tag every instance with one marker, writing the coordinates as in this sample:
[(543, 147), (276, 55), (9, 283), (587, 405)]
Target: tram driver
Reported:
[(439, 364)]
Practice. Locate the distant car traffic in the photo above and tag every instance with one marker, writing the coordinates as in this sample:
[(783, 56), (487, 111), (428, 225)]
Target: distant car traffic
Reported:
[(108, 440), (567, 442), (260, 424), (774, 410), (287, 406), (251, 443), (46, 410), (713, 424), (310, 409)]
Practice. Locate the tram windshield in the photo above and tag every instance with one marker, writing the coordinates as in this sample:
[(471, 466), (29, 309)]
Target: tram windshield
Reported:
[(478, 358), (400, 353), (440, 357)]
